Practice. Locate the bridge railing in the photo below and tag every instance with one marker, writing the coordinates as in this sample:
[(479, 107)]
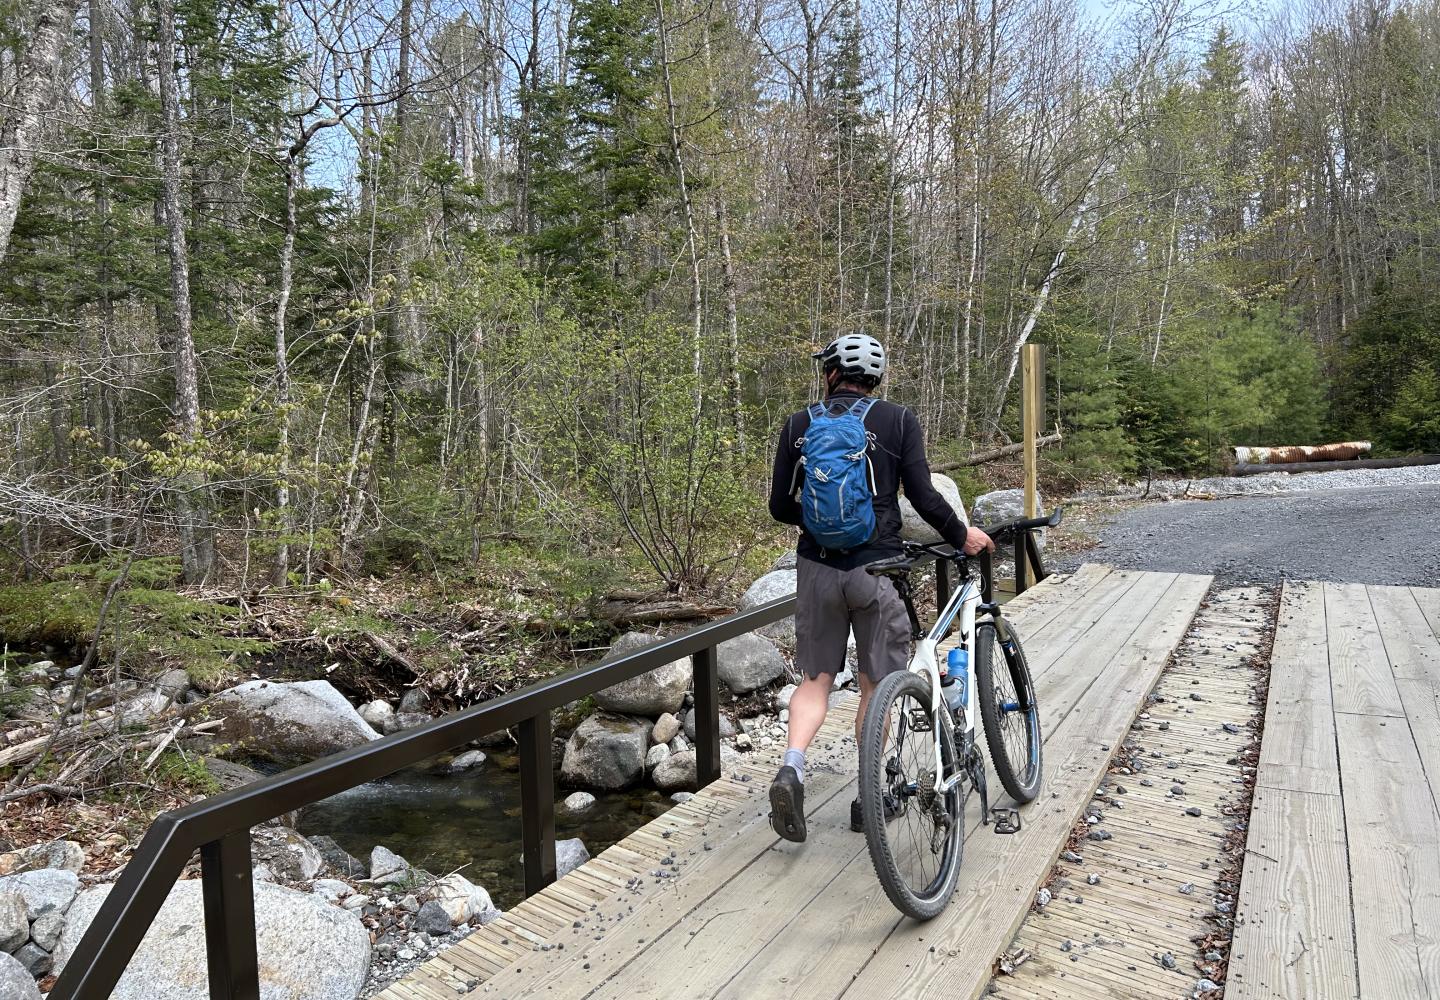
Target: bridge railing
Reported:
[(219, 827)]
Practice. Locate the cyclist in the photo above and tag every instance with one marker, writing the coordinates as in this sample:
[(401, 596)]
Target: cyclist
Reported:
[(834, 594)]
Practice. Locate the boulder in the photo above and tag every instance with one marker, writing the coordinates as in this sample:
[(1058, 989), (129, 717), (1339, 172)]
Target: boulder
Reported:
[(414, 700), (782, 698), (291, 723), (337, 859), (569, 855), (777, 583), (749, 661), (284, 855), (463, 901), (142, 708), (658, 691), (387, 867), (309, 950), (665, 728), (16, 983), (14, 921), (786, 561), (376, 713), (1006, 505), (606, 752), (37, 960), (173, 684), (45, 931), (656, 756), (44, 890), (64, 854), (577, 804), (914, 528), (676, 773), (401, 721), (467, 761), (432, 920), (679, 743), (727, 728), (331, 890)]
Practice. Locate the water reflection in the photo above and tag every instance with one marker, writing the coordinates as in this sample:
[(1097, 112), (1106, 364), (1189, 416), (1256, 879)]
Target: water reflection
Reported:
[(468, 822)]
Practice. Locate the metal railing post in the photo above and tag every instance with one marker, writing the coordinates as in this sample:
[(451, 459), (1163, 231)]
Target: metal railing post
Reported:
[(987, 577), (1021, 567), (229, 894), (707, 717), (1032, 549), (537, 802)]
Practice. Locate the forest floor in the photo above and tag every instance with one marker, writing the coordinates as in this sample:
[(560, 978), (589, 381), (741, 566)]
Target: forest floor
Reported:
[(1346, 531)]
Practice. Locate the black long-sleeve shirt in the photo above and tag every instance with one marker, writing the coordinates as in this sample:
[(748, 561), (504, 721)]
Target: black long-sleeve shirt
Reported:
[(897, 457)]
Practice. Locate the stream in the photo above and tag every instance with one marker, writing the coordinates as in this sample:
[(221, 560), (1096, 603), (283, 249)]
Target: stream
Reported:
[(468, 822)]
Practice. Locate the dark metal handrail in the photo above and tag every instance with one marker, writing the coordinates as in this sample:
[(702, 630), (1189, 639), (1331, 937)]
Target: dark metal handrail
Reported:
[(219, 827)]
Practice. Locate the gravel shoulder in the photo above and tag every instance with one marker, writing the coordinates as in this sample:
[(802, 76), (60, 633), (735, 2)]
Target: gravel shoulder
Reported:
[(1356, 533)]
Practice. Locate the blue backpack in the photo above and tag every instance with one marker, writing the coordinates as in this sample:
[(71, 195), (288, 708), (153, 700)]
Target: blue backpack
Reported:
[(835, 496)]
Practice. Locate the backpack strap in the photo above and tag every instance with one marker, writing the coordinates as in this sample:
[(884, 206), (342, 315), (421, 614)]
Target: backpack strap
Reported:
[(816, 411), (862, 406)]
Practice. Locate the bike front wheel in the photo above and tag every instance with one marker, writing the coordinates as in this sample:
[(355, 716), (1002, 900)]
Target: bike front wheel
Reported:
[(916, 848), (1009, 710)]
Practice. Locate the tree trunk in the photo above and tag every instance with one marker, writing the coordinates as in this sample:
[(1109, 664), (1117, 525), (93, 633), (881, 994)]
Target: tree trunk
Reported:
[(284, 517), (21, 126), (691, 237), (197, 545)]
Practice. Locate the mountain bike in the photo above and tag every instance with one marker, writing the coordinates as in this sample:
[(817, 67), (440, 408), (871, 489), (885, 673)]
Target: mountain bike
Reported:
[(919, 757)]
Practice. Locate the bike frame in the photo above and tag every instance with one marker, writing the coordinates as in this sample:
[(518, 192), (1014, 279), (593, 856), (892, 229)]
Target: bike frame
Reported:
[(964, 605)]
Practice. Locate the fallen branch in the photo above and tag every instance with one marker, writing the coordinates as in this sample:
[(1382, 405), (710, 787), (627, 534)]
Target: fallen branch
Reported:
[(61, 791), (981, 457)]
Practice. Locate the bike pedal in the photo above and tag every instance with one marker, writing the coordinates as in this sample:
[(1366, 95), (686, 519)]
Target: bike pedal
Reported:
[(1006, 820)]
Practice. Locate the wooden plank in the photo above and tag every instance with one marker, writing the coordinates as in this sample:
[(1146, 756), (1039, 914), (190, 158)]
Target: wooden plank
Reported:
[(1298, 752), (1294, 935), (1413, 649), (1002, 874), (1428, 598), (1394, 839), (993, 894), (1360, 679)]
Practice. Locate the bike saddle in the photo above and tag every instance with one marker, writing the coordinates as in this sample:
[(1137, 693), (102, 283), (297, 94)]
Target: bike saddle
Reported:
[(894, 566)]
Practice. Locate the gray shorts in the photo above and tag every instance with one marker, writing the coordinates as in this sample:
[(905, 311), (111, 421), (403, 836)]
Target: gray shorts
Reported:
[(830, 602)]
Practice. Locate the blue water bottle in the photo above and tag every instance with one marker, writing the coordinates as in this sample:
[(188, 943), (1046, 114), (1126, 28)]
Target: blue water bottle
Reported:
[(957, 672)]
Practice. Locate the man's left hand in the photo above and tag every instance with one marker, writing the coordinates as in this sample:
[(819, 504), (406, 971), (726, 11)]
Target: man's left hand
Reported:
[(976, 542)]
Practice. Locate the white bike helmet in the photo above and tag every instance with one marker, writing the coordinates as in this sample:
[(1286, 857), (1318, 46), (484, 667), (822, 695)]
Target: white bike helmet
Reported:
[(855, 355)]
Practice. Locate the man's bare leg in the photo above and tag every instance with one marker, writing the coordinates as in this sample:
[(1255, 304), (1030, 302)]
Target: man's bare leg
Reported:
[(808, 706)]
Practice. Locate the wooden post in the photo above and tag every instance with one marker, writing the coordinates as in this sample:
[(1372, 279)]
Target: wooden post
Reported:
[(1032, 391)]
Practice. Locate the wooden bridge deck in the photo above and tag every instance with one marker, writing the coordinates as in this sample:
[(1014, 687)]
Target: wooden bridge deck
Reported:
[(1340, 897), (707, 902)]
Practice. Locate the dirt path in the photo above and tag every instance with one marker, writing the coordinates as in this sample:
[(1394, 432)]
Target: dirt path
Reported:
[(1376, 535)]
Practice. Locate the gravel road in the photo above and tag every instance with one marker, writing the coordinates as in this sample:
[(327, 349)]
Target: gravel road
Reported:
[(1374, 534)]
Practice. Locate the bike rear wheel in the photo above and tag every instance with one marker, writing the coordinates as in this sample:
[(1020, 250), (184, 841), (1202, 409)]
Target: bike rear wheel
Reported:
[(917, 852), (1009, 710)]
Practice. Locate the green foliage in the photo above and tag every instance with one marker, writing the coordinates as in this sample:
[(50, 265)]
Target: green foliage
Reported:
[(1387, 387), (185, 773), (149, 625)]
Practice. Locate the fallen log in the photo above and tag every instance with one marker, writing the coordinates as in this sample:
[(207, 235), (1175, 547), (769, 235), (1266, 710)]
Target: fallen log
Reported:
[(1288, 454), (981, 457), (1359, 463)]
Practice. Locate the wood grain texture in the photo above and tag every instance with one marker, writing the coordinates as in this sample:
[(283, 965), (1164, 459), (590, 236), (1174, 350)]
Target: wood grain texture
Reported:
[(1294, 935), (1298, 751), (1412, 648), (1394, 839), (1360, 679)]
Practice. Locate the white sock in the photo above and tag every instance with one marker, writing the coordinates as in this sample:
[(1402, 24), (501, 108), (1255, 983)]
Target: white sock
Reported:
[(795, 759)]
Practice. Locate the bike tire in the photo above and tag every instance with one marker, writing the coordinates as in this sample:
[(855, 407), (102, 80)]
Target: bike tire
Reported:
[(1016, 753), (888, 847)]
